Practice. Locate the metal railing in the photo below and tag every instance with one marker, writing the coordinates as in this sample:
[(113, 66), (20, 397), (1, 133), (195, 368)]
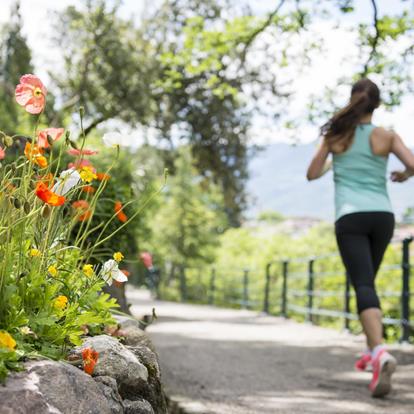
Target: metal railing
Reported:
[(304, 286)]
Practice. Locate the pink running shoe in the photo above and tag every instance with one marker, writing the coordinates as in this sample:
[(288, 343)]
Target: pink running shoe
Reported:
[(383, 366), (363, 362)]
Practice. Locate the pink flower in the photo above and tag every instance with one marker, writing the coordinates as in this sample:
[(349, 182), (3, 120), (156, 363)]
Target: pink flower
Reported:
[(31, 94), (85, 151), (2, 153), (79, 164), (54, 133)]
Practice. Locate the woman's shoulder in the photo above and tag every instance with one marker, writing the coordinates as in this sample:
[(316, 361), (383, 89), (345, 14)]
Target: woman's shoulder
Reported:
[(382, 132), (381, 140)]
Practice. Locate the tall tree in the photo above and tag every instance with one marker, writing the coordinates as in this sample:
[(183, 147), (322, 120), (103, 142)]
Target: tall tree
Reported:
[(15, 61), (190, 217), (198, 70), (182, 72), (108, 65)]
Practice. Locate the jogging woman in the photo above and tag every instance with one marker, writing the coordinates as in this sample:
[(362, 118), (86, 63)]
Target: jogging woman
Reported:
[(364, 217)]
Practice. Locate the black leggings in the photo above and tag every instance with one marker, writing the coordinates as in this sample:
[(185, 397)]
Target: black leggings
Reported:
[(362, 240)]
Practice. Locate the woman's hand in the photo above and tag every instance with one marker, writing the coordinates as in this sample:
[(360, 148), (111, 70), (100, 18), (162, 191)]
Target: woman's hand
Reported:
[(400, 176)]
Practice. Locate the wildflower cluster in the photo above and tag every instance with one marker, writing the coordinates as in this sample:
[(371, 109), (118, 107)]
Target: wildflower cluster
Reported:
[(50, 288)]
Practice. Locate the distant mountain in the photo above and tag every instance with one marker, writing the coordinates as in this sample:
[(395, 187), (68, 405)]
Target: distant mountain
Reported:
[(278, 183)]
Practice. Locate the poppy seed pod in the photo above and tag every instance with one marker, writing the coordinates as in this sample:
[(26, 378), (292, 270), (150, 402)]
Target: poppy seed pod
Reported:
[(46, 210), (67, 137), (17, 203), (73, 144), (8, 141), (50, 140), (27, 207)]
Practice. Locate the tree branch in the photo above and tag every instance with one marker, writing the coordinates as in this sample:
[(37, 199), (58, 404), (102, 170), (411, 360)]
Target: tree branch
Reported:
[(94, 124), (375, 40), (259, 30)]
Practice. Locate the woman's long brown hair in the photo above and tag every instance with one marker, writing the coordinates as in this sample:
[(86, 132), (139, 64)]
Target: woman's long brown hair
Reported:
[(340, 129)]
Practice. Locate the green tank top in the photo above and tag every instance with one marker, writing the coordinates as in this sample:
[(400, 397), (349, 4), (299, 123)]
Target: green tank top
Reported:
[(360, 177)]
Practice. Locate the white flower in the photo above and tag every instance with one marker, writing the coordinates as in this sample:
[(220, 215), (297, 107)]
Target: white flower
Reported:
[(66, 181), (110, 271), (112, 139), (122, 139), (25, 330)]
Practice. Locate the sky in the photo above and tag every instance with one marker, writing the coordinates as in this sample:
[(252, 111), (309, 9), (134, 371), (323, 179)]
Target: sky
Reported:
[(38, 22)]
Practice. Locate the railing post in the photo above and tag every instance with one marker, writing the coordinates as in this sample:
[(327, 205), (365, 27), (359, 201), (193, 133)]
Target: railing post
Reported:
[(405, 294), (347, 307), (246, 288), (212, 286), (310, 290), (183, 284), (285, 268), (267, 289)]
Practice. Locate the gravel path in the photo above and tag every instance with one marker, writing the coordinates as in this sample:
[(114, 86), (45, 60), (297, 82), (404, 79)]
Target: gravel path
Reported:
[(231, 361)]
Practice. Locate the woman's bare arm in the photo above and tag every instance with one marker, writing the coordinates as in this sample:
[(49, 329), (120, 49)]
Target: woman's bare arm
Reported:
[(404, 154), (319, 164)]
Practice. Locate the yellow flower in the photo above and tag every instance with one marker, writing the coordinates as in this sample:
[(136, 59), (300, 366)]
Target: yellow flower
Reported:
[(52, 270), (87, 175), (60, 302), (35, 253), (118, 256), (7, 341), (88, 270)]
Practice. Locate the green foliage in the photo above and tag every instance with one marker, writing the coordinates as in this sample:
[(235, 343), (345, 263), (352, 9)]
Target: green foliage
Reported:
[(190, 217), (270, 216), (202, 87), (108, 65), (253, 249), (183, 72), (51, 277), (408, 216)]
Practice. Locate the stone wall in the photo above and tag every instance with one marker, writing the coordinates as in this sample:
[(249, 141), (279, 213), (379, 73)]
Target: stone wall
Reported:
[(126, 380)]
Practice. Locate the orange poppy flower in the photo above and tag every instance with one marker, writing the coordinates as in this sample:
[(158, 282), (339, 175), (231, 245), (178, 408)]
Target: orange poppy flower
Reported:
[(48, 179), (83, 211), (34, 153), (122, 217), (102, 176), (88, 189), (90, 358), (48, 196)]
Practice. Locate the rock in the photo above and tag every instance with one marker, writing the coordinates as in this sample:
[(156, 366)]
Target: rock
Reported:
[(109, 389), (153, 391), (116, 361), (137, 407), (136, 337), (49, 387)]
